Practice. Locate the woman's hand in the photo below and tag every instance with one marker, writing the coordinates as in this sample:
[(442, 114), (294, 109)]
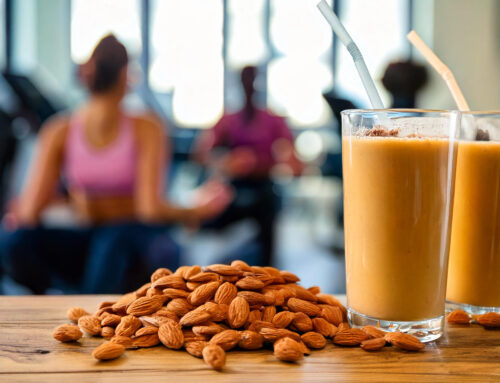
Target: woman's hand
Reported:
[(211, 199), (239, 162), (10, 220)]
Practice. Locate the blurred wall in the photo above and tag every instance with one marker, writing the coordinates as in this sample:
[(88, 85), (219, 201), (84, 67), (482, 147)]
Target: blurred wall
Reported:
[(465, 34)]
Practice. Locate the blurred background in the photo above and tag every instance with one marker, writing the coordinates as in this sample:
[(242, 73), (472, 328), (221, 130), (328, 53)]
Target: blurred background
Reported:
[(185, 61)]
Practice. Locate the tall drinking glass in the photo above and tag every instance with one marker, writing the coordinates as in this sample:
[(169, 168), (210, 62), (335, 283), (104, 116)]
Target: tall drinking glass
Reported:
[(398, 197), (474, 268)]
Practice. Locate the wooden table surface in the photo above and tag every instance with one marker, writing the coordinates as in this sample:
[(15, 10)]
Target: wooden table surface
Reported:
[(28, 353)]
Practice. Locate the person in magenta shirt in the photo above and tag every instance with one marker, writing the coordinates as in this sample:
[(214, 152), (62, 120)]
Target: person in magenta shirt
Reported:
[(247, 148)]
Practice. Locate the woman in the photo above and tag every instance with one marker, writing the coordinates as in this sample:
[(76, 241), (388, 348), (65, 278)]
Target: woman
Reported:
[(113, 165)]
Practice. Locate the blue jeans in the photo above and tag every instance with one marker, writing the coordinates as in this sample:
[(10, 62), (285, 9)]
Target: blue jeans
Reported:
[(106, 259)]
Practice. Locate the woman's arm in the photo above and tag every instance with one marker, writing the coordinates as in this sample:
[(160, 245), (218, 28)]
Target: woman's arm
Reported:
[(152, 161), (44, 173)]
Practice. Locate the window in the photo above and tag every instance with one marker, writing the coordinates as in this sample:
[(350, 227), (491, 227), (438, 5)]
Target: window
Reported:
[(93, 19), (302, 69), (379, 29), (187, 62)]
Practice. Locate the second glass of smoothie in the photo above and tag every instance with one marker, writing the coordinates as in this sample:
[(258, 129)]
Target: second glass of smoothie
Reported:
[(399, 170), (474, 269)]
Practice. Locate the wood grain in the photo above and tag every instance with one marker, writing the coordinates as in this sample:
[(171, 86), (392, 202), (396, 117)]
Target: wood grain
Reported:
[(29, 354)]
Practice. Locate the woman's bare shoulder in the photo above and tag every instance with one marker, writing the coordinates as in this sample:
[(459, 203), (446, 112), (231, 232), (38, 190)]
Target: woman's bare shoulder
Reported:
[(56, 128), (148, 126)]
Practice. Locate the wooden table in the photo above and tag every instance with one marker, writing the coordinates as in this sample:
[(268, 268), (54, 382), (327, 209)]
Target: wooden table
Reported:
[(28, 353)]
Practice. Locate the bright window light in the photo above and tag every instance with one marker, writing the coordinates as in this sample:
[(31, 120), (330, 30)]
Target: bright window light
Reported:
[(246, 40), (302, 72), (93, 19), (379, 29), (186, 38)]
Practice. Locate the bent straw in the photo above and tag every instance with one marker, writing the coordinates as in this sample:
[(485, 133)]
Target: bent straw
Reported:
[(353, 49), (441, 68)]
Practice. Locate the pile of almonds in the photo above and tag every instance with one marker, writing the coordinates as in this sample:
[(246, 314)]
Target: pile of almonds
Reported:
[(213, 310), (488, 320)]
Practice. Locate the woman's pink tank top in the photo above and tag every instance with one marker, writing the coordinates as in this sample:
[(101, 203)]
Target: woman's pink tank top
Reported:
[(108, 171)]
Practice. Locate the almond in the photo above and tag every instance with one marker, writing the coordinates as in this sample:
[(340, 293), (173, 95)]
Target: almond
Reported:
[(373, 332), (204, 277), (268, 313), (343, 326), (191, 286), (120, 307), (289, 277), (111, 320), (253, 298), (250, 283), (305, 350), (313, 340), (159, 273), (288, 350), (328, 299), (146, 340), (404, 341), (67, 333), (219, 312), (350, 337), (300, 305), (324, 328), (250, 340), (195, 317), (273, 334), (190, 336), (241, 265), (170, 334), (179, 306), (254, 315), (238, 312), (224, 269), (225, 293), (76, 313), (170, 281), (332, 314), (196, 348), (208, 329), (170, 293), (226, 339), (374, 344), (108, 350), (182, 270), (283, 319), (125, 341), (301, 292), (214, 356), (302, 322), (458, 317), (128, 326), (166, 313), (203, 293), (90, 325), (107, 332), (490, 320), (192, 271), (154, 291), (314, 290), (141, 291), (258, 325), (146, 331)]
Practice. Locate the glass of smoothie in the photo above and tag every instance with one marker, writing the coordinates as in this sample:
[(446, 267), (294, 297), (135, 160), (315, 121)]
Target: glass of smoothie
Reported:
[(398, 169), (474, 267)]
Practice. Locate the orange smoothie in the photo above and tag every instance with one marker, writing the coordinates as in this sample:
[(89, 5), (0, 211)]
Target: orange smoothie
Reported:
[(474, 269), (398, 194)]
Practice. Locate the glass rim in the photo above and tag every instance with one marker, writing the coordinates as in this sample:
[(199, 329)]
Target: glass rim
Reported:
[(401, 110)]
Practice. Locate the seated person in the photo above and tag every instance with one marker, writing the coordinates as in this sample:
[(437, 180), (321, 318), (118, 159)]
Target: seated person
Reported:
[(113, 164), (246, 147)]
